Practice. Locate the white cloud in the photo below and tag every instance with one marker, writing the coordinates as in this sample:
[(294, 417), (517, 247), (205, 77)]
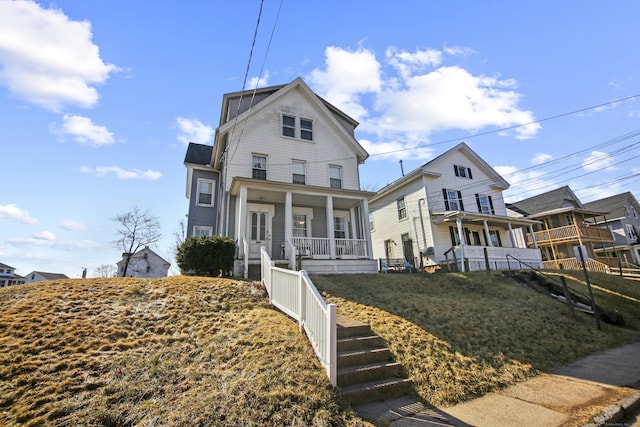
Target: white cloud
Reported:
[(414, 95), (598, 160), (348, 75), (48, 59), (45, 235), (13, 213), (72, 225), (120, 173), (255, 82), (84, 130), (540, 158), (64, 244), (192, 130)]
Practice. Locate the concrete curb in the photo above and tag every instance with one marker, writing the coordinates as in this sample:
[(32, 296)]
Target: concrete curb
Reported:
[(617, 412)]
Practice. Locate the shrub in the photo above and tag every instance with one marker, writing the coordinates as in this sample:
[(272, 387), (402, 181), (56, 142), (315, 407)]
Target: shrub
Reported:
[(206, 255)]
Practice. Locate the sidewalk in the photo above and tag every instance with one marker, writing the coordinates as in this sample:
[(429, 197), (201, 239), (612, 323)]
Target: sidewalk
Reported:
[(597, 385)]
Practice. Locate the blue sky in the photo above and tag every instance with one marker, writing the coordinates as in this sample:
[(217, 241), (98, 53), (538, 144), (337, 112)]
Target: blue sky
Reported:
[(99, 99)]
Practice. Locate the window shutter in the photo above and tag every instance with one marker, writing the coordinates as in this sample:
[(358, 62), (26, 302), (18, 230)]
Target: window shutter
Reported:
[(478, 203), (467, 236), (446, 200), (469, 171), (498, 236), (455, 170), (460, 200), (452, 233), (493, 212)]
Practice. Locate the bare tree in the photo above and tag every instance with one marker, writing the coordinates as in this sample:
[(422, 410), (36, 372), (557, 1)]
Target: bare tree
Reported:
[(136, 229), (179, 236), (106, 270)]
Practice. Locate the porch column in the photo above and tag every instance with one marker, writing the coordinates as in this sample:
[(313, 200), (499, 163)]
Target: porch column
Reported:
[(533, 237), (241, 216), (288, 222), (462, 243), (330, 230), (486, 233), (367, 227), (513, 240), (353, 219)]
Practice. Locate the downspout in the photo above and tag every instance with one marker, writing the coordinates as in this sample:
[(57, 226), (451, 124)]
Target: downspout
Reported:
[(424, 236)]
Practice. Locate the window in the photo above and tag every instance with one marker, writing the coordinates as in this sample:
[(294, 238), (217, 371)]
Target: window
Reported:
[(455, 236), (259, 167), (202, 231), (335, 176), (485, 204), (402, 208), (339, 227), (306, 129), (298, 168), (462, 171), (205, 192), (288, 126), (631, 232), (371, 220), (452, 200), (300, 225), (494, 235), (388, 249), (631, 211)]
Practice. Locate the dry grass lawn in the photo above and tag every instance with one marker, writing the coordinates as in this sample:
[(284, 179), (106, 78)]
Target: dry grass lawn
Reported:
[(460, 336), (179, 351)]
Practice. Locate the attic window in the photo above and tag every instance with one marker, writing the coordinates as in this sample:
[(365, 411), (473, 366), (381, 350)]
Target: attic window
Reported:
[(462, 171), (288, 126), (306, 129)]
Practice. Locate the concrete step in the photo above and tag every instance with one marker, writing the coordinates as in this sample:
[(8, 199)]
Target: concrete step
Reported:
[(366, 373), (373, 391), (348, 359), (353, 330), (360, 343)]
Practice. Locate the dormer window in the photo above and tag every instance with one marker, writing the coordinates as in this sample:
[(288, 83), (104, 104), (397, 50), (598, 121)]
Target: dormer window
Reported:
[(462, 171)]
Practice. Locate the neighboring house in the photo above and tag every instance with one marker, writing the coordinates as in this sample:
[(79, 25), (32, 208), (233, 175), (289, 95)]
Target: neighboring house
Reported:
[(144, 263), (282, 174), (623, 219), (8, 276), (41, 276), (450, 211), (564, 224)]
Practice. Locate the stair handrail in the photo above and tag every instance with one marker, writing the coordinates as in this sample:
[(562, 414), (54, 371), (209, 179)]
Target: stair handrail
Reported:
[(294, 293)]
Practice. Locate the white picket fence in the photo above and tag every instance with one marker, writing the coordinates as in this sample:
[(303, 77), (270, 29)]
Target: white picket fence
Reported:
[(294, 293)]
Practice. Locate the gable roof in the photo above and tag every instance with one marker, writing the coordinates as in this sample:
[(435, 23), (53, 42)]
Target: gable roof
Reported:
[(49, 276), (140, 254), (560, 198), (425, 169), (264, 97), (6, 266), (614, 206)]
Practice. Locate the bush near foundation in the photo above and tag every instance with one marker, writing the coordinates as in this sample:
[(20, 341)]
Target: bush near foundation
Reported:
[(206, 256)]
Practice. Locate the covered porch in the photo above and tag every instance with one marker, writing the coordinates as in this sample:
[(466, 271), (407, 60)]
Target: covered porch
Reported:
[(316, 228), (486, 242)]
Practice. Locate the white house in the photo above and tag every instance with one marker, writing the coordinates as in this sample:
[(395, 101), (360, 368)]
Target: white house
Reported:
[(282, 174), (8, 276), (144, 263), (41, 276), (449, 212)]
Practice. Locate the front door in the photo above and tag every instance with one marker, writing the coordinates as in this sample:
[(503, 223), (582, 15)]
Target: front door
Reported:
[(407, 248), (259, 229)]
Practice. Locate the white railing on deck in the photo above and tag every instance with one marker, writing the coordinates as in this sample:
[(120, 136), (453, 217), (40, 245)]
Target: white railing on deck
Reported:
[(311, 246), (351, 248), (293, 292)]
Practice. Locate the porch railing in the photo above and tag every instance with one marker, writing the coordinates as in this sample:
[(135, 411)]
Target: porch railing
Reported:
[(477, 257), (294, 293), (320, 247), (574, 264), (570, 233)]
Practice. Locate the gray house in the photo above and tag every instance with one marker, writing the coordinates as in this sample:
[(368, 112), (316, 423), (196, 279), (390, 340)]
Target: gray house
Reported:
[(8, 276), (41, 276), (623, 219)]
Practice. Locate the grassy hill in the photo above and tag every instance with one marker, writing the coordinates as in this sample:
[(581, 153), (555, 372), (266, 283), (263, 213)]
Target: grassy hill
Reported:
[(177, 351), (208, 351)]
